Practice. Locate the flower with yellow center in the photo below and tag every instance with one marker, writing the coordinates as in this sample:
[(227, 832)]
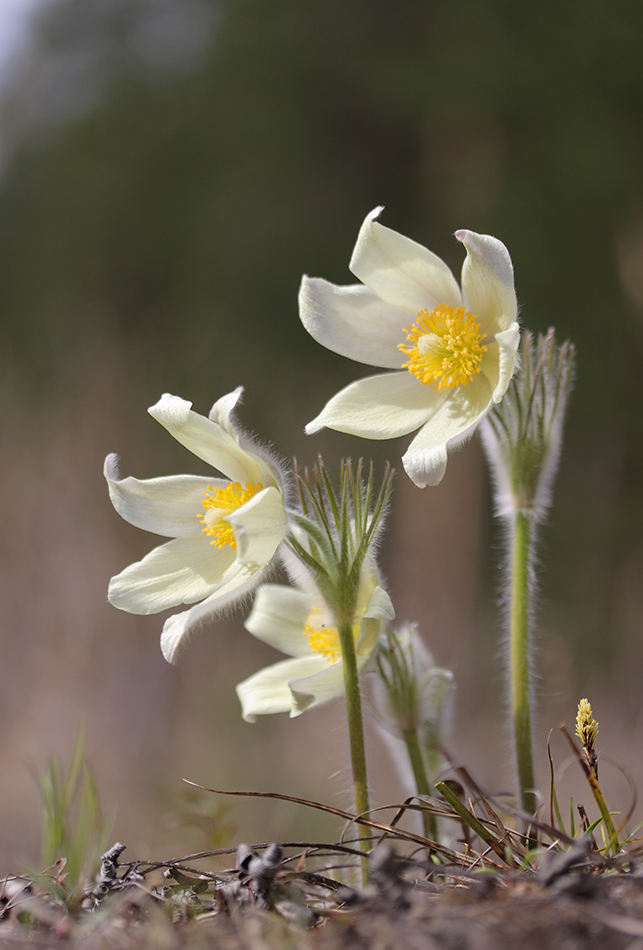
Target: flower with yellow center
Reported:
[(219, 502), (446, 347), (298, 622), (225, 531), (454, 349)]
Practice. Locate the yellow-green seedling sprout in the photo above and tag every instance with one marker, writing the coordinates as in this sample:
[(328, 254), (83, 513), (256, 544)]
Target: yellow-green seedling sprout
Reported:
[(587, 732)]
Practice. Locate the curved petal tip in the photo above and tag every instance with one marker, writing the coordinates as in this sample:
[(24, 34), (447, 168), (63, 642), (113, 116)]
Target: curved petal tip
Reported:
[(223, 408), (172, 408), (111, 468), (375, 213), (490, 251)]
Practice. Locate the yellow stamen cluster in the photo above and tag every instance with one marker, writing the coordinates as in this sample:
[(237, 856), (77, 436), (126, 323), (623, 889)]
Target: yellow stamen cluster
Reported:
[(324, 639), (586, 725), (226, 499), (445, 348)]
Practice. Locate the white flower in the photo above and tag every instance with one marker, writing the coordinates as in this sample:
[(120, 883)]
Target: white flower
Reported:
[(455, 355), (225, 531), (410, 690), (299, 623)]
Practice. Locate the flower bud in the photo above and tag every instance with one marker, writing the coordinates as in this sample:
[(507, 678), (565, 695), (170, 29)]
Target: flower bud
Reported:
[(522, 435)]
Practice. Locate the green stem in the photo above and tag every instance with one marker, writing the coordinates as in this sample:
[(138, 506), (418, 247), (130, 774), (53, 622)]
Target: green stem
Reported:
[(356, 734), (521, 564), (421, 779)]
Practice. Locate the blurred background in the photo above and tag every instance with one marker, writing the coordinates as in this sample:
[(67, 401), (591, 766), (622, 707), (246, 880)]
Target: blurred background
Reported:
[(168, 170)]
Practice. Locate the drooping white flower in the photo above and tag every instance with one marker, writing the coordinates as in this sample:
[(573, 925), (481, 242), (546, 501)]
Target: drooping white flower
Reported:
[(454, 350), (225, 531), (410, 689), (298, 622)]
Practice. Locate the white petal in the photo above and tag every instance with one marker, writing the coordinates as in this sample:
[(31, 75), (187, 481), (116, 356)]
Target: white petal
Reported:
[(425, 460), (354, 322), (508, 341), (488, 282), (237, 582), (500, 361), (268, 691), (174, 631), (400, 271), (320, 686), (180, 572), (168, 506), (207, 440), (221, 412), (378, 609), (379, 407), (278, 617), (259, 527)]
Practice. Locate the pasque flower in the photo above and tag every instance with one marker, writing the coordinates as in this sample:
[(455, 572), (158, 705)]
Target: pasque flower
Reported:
[(523, 436), (411, 691), (298, 622), (410, 696), (454, 349), (225, 531)]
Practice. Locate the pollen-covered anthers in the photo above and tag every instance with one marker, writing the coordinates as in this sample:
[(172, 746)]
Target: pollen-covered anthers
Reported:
[(222, 501), (445, 347), (322, 638), (587, 732)]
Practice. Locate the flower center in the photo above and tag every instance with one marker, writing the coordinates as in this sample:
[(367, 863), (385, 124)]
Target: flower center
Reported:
[(324, 639), (445, 347), (221, 502)]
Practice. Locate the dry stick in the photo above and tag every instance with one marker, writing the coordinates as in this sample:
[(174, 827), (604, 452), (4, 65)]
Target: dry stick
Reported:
[(437, 805), (467, 779), (553, 799), (454, 856), (632, 785), (199, 855), (439, 809), (506, 834)]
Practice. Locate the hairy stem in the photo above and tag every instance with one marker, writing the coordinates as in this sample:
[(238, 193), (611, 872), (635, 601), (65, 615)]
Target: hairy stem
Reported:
[(521, 589), (421, 779), (356, 733)]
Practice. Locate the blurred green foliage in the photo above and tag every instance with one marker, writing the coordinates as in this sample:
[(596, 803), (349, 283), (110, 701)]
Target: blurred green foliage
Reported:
[(74, 832), (173, 214)]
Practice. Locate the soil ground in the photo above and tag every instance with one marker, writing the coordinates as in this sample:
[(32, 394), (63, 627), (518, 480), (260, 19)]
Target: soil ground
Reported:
[(577, 907)]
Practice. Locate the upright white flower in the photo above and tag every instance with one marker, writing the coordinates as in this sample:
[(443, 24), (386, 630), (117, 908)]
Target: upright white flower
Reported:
[(454, 357), (298, 622), (225, 531)]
